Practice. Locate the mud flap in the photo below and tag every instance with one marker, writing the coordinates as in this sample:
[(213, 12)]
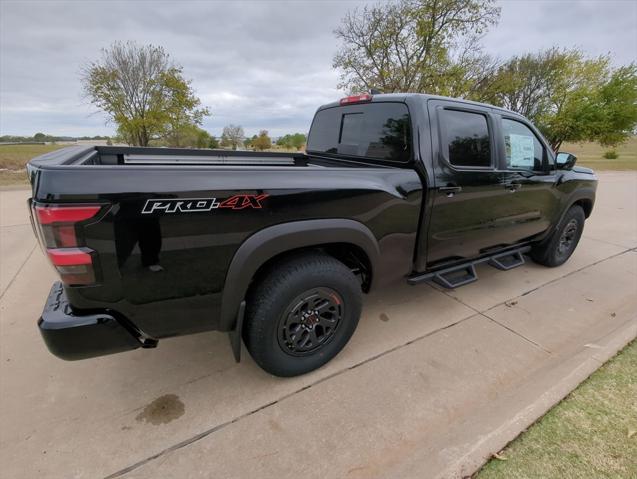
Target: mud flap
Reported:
[(235, 334)]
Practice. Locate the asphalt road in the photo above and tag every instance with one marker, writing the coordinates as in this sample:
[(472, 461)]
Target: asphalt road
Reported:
[(431, 384)]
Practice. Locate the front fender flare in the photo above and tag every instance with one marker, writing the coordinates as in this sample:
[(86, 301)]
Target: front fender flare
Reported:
[(587, 193), (271, 241)]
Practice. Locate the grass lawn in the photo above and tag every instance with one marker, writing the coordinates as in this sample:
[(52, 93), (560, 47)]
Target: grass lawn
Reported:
[(11, 177), (13, 158), (592, 433), (590, 155)]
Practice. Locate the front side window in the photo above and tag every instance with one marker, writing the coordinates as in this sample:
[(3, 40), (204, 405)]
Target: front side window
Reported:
[(465, 137), (522, 148), (379, 131)]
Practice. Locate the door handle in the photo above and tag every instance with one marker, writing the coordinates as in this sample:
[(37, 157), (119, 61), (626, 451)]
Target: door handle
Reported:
[(513, 186), (450, 190)]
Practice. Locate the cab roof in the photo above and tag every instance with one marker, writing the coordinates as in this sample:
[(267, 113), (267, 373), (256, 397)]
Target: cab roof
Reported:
[(402, 97)]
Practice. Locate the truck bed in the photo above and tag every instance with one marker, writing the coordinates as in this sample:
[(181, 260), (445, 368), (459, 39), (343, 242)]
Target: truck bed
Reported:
[(169, 200), (125, 155)]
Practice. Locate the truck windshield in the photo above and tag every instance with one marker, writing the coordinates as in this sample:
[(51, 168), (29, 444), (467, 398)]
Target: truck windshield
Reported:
[(378, 131)]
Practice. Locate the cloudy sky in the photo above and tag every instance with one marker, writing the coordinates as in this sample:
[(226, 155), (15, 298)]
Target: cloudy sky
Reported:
[(261, 64)]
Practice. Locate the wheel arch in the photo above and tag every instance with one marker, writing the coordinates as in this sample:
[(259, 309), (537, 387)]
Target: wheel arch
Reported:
[(585, 203), (337, 237), (582, 197)]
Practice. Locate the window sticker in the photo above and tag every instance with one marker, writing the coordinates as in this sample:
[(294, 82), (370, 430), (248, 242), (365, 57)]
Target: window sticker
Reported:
[(519, 150)]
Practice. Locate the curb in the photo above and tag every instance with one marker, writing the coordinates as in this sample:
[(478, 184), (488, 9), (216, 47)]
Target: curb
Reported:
[(577, 368)]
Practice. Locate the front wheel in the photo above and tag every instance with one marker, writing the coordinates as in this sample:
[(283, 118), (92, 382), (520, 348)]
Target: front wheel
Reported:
[(301, 314), (559, 247)]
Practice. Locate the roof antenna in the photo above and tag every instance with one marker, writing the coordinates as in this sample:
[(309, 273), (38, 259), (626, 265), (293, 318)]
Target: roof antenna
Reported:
[(375, 91)]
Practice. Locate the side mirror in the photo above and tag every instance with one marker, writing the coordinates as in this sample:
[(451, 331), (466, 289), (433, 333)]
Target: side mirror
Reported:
[(565, 161)]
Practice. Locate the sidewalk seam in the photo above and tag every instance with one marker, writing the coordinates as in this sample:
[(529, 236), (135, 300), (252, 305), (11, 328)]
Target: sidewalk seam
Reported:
[(537, 345), (16, 224), (607, 242), (480, 313), (18, 271), (567, 275)]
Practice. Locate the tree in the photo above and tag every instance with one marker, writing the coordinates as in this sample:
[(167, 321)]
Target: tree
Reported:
[(295, 140), (262, 142), (142, 91), (569, 97), (203, 138), (39, 137), (187, 136), (213, 143), (249, 142), (525, 83), (415, 46), (616, 105), (232, 136)]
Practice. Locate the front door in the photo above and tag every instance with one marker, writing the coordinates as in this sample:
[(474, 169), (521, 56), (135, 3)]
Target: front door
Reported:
[(529, 175)]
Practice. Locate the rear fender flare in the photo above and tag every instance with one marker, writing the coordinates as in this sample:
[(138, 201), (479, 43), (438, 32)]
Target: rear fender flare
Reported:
[(267, 243)]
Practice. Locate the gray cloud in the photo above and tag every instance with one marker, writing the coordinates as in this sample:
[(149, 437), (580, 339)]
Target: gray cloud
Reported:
[(259, 64), (597, 27)]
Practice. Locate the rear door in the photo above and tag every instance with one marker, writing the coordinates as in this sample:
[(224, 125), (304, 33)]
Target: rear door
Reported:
[(468, 195)]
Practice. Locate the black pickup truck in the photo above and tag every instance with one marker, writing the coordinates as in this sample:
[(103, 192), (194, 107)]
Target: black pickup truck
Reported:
[(277, 249)]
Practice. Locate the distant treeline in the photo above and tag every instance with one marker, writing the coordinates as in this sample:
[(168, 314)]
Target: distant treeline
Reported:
[(43, 138)]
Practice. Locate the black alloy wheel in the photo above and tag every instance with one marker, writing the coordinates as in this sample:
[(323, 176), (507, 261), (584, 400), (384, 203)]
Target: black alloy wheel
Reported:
[(565, 243), (311, 321)]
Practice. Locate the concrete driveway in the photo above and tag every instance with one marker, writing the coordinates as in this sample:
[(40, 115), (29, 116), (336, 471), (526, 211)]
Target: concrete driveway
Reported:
[(431, 384)]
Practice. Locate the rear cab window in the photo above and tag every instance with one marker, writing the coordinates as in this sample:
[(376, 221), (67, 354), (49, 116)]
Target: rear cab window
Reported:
[(377, 132), (465, 138)]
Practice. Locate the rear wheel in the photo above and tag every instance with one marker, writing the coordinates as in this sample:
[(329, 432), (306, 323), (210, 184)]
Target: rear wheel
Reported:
[(559, 247), (301, 314)]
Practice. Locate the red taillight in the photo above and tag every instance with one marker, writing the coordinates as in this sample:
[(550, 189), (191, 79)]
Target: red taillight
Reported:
[(64, 235), (58, 227), (65, 214), (69, 256), (74, 265), (58, 223), (356, 99)]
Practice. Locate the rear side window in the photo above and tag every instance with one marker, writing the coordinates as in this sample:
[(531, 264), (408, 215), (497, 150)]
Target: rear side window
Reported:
[(378, 131), (465, 136)]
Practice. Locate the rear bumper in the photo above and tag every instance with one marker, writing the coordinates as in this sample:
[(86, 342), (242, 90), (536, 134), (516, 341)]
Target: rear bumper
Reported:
[(69, 336)]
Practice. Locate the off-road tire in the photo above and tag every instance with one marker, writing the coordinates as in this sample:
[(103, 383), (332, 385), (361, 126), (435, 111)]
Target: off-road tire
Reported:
[(557, 248), (271, 314)]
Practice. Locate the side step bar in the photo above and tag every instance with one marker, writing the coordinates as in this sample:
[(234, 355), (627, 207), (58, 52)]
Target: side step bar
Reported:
[(507, 261), (456, 276)]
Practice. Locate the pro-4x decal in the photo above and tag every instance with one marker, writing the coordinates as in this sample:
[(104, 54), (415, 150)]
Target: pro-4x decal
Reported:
[(195, 205)]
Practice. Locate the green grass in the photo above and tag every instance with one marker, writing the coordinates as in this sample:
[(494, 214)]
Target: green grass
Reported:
[(590, 434), (591, 155), (13, 177), (13, 159)]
